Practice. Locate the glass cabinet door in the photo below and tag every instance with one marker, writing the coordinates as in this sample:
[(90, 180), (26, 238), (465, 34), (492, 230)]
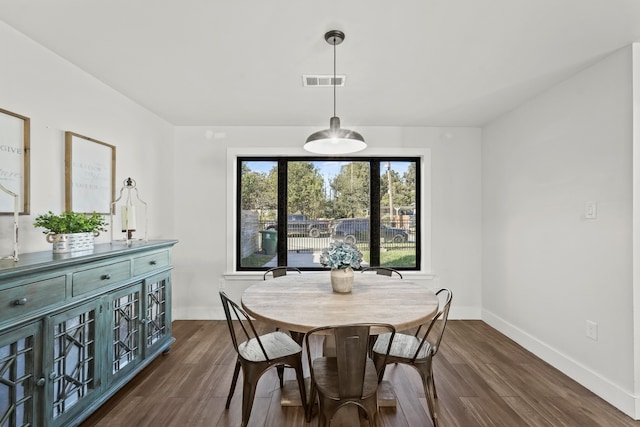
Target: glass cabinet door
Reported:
[(157, 312), (20, 384), (74, 369), (125, 350)]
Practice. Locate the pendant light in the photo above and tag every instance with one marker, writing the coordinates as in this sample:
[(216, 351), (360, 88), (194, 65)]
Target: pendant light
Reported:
[(335, 140)]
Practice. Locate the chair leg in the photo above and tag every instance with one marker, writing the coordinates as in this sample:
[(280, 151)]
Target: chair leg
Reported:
[(248, 394), (427, 384), (311, 402), (280, 369), (432, 406), (433, 383), (371, 410), (372, 342), (323, 420), (301, 386), (236, 371), (380, 368)]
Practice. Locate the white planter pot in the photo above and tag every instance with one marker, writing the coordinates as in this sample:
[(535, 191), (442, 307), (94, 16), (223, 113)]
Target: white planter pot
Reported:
[(65, 243)]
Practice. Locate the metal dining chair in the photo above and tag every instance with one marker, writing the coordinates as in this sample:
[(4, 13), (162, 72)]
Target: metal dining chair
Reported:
[(417, 350), (279, 271), (385, 271), (348, 378), (258, 354)]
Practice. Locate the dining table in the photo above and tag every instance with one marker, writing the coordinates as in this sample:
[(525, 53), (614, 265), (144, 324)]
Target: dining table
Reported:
[(301, 302)]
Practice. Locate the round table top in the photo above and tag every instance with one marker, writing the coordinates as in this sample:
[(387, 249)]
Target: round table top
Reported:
[(301, 302)]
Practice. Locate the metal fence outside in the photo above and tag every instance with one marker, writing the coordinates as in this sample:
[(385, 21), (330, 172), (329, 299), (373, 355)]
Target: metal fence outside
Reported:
[(301, 242)]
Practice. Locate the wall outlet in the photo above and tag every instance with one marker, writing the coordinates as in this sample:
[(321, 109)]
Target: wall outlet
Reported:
[(591, 210), (592, 330)]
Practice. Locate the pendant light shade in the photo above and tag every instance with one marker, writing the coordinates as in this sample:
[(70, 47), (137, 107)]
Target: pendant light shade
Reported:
[(335, 140)]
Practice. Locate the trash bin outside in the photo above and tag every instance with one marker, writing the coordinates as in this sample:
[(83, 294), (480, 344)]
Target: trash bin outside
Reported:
[(269, 241)]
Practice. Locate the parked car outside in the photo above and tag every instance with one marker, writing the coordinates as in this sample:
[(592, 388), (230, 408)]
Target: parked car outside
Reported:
[(354, 230), (301, 225)]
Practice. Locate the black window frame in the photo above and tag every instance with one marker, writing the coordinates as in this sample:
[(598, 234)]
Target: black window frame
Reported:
[(374, 203)]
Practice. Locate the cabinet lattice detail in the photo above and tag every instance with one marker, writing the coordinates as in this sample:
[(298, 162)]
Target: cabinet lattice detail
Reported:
[(16, 382), (126, 327), (156, 311), (73, 361)]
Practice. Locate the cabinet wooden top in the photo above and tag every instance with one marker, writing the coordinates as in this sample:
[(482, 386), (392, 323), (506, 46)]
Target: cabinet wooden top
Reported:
[(45, 260)]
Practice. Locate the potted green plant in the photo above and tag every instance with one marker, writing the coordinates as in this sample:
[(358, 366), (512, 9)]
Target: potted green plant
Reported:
[(71, 231)]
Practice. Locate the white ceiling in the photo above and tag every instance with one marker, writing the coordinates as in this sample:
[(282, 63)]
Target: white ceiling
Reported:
[(408, 62)]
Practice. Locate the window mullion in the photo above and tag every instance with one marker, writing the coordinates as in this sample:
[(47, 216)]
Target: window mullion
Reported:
[(282, 212), (374, 216)]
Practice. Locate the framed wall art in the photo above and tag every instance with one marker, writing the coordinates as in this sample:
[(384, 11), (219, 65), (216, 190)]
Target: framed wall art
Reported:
[(89, 167), (14, 160)]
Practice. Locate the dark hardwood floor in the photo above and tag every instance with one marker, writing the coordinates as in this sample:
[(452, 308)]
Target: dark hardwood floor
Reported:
[(482, 377)]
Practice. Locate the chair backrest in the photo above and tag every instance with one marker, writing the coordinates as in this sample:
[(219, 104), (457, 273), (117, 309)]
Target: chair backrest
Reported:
[(237, 315), (279, 271), (435, 331), (352, 350), (385, 271)]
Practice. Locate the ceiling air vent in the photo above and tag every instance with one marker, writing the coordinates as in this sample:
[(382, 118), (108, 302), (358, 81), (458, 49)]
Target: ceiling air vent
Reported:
[(323, 80)]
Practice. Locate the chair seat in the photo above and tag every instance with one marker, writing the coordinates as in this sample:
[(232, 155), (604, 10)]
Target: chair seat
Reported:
[(276, 344), (326, 377), (403, 346)]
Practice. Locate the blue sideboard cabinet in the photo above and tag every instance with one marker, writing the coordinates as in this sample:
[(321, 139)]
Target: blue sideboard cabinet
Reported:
[(74, 328)]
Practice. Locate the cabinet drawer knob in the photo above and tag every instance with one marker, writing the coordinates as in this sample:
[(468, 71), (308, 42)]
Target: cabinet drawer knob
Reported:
[(21, 301), (105, 277), (154, 262), (40, 382)]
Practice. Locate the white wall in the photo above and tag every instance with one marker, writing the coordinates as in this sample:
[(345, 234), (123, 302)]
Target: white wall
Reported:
[(547, 269), (204, 220), (59, 97)]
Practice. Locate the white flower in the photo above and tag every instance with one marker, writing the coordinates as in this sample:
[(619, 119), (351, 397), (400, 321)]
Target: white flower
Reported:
[(341, 255)]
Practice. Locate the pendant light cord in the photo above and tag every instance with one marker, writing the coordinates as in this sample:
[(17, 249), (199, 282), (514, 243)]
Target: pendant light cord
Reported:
[(334, 77)]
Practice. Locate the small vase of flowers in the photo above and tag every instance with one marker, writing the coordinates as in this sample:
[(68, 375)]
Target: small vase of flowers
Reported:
[(342, 258)]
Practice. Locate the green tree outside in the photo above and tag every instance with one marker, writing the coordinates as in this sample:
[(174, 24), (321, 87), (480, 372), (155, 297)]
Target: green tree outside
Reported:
[(305, 193), (350, 189)]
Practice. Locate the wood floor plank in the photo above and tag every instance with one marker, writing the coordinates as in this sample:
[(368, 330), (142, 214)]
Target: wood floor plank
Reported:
[(482, 377), (402, 377), (533, 413)]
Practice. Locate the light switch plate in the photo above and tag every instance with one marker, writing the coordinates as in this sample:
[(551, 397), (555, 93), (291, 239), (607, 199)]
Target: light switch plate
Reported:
[(592, 330), (591, 210)]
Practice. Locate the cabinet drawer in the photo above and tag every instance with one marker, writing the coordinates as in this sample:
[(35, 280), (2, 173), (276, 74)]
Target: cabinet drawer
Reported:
[(95, 278), (147, 263), (30, 297)]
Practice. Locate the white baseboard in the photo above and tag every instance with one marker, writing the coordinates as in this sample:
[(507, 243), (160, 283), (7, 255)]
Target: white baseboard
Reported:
[(465, 313), (198, 313), (612, 393)]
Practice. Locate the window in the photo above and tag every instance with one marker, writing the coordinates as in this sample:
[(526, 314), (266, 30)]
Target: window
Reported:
[(289, 209)]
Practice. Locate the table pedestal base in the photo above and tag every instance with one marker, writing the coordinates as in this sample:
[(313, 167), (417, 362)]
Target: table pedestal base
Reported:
[(290, 396)]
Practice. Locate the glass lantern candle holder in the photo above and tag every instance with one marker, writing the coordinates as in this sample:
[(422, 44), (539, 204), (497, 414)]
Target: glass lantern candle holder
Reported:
[(126, 208), (5, 192)]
